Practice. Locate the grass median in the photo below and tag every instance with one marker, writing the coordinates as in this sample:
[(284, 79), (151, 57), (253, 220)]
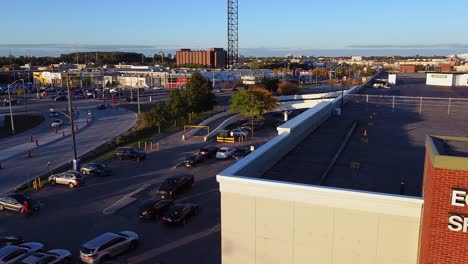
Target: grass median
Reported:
[(22, 123), (142, 132)]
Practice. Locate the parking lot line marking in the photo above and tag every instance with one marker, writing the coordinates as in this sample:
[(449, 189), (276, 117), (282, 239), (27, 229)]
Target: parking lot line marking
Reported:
[(124, 201), (151, 254)]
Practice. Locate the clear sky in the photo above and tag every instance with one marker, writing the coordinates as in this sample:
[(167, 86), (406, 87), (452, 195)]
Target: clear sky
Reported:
[(273, 24)]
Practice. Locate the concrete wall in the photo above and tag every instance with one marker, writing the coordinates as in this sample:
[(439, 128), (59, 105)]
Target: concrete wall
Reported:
[(461, 80), (439, 79), (271, 222)]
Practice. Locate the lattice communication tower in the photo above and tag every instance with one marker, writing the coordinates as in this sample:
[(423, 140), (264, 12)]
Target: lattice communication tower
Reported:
[(233, 32)]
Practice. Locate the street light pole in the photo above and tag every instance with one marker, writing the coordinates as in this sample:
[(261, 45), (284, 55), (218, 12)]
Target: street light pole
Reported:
[(76, 165), (24, 95), (11, 110), (138, 99)]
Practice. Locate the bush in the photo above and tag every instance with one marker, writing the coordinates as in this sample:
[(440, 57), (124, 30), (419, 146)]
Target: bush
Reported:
[(288, 88)]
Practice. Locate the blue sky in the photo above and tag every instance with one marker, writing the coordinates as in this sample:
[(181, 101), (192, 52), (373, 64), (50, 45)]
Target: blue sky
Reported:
[(274, 25)]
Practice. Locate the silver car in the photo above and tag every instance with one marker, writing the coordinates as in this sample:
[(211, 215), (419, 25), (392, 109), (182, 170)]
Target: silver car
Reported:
[(107, 246), (55, 256), (14, 254), (71, 178)]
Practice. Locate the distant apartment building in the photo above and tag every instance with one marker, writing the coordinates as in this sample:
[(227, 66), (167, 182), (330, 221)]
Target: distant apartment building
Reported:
[(212, 58)]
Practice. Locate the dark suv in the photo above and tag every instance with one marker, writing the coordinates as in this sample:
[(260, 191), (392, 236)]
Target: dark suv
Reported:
[(175, 184), (209, 151), (130, 153)]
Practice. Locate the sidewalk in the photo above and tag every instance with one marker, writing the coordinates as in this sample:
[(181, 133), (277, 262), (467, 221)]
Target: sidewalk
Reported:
[(42, 137), (18, 169)]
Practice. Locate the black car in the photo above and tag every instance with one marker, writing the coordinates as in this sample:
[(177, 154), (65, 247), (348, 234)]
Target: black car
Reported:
[(193, 160), (13, 102), (180, 213), (130, 153), (130, 99), (15, 202), (240, 153), (209, 151), (11, 240), (97, 169), (175, 184), (151, 209)]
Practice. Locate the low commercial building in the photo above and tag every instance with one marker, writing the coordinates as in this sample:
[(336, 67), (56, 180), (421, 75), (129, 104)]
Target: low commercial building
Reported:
[(449, 79), (212, 58), (407, 68)]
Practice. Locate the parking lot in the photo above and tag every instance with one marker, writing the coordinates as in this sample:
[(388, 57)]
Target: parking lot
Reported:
[(70, 217)]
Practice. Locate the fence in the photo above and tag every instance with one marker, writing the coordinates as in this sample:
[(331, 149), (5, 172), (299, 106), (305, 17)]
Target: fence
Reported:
[(449, 106)]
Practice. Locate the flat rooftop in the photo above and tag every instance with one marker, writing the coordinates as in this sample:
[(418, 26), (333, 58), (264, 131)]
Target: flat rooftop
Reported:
[(388, 145), (451, 147)]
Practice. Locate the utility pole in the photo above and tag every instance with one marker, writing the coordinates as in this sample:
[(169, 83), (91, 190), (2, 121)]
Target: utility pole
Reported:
[(76, 162)]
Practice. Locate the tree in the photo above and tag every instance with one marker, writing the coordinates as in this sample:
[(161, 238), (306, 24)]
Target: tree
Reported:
[(238, 83), (198, 94), (156, 116), (270, 84), (176, 106), (253, 103), (288, 88)]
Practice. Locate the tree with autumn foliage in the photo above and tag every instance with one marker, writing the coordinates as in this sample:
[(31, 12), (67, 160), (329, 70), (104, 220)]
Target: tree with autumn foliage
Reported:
[(288, 88), (253, 103)]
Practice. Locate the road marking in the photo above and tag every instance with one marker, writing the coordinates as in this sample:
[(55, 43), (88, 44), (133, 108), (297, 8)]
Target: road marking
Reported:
[(151, 254), (124, 201)]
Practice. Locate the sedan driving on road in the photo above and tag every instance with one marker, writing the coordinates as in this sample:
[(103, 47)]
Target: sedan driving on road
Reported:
[(151, 209), (57, 123), (14, 254), (240, 153), (225, 153), (209, 151), (132, 153), (55, 256), (97, 169), (193, 160), (108, 245), (15, 202), (71, 178), (174, 185), (180, 213)]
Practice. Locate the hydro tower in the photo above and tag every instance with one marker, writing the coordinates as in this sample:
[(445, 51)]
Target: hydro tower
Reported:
[(233, 32)]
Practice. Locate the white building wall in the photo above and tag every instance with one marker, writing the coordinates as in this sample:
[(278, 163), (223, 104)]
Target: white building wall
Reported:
[(439, 79), (392, 79), (461, 80)]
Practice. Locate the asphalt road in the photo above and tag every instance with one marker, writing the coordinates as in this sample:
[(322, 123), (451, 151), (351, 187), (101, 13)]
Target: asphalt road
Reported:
[(70, 217)]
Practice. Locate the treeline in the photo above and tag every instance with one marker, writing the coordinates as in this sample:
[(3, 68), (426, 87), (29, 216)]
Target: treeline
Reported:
[(98, 58)]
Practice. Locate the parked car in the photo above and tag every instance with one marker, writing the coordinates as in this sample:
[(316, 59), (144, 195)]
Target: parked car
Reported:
[(193, 160), (130, 99), (180, 213), (240, 153), (11, 240), (107, 246), (172, 186), (132, 153), (57, 123), (209, 151), (15, 202), (14, 254), (97, 169), (257, 124), (101, 106), (239, 133), (55, 256), (151, 209), (225, 153), (53, 114), (71, 178)]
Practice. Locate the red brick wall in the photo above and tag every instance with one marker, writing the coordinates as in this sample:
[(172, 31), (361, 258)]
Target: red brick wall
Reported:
[(407, 68), (439, 244)]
